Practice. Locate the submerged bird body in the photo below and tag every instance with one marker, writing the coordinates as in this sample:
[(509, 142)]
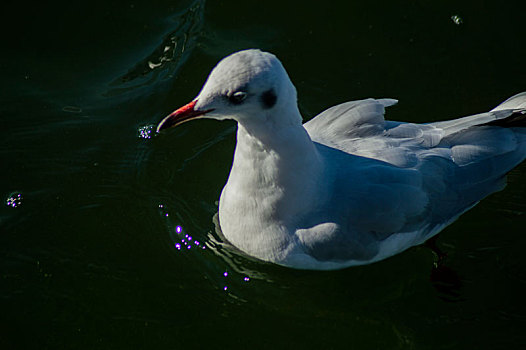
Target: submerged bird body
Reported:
[(347, 187)]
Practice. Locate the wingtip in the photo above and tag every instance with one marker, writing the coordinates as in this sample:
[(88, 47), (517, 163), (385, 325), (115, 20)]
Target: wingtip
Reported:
[(517, 101), (387, 102)]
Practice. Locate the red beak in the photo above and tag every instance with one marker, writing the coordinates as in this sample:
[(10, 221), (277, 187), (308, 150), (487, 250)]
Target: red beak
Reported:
[(181, 115)]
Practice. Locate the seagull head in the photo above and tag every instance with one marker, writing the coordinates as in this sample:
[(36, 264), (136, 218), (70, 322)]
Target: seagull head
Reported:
[(250, 87)]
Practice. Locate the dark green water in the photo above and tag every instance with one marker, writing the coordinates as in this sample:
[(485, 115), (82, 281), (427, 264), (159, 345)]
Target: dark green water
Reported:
[(88, 255)]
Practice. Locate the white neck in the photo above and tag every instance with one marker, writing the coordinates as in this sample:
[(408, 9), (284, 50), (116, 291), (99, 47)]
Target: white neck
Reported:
[(272, 183)]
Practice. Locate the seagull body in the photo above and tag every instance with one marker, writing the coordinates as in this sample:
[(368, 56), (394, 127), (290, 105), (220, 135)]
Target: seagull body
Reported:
[(348, 187)]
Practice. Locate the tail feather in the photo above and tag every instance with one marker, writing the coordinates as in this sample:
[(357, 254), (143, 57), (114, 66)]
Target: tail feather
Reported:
[(484, 147), (515, 102), (515, 120), (510, 113)]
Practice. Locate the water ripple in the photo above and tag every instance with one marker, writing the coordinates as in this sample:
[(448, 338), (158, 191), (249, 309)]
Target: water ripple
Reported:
[(168, 56)]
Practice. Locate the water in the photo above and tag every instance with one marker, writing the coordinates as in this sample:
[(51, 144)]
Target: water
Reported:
[(99, 213)]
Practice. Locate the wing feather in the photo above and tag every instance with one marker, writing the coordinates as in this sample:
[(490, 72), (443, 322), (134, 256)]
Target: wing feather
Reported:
[(419, 176)]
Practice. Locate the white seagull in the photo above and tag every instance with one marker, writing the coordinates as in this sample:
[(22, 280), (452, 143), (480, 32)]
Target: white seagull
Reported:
[(348, 187)]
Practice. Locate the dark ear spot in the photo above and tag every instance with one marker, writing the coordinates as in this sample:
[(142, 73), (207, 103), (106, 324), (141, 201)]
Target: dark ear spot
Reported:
[(268, 99)]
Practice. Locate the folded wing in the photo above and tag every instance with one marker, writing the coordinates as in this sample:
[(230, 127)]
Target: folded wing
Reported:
[(405, 176)]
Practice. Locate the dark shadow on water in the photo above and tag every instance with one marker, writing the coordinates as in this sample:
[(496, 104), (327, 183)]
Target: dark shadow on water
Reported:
[(444, 279)]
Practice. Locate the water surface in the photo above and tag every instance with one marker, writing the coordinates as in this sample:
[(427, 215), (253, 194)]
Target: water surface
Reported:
[(107, 236)]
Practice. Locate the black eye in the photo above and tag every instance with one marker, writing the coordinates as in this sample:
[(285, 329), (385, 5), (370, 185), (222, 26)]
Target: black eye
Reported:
[(237, 98)]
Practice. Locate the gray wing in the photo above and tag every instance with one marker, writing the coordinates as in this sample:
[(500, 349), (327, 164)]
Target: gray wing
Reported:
[(406, 176)]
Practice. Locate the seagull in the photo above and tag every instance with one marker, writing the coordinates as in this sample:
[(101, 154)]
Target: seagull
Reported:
[(347, 187)]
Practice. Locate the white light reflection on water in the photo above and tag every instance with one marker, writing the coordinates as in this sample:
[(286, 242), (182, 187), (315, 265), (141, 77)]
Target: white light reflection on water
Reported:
[(146, 131), (238, 269), (182, 240), (187, 240), (457, 20), (226, 275), (14, 200)]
